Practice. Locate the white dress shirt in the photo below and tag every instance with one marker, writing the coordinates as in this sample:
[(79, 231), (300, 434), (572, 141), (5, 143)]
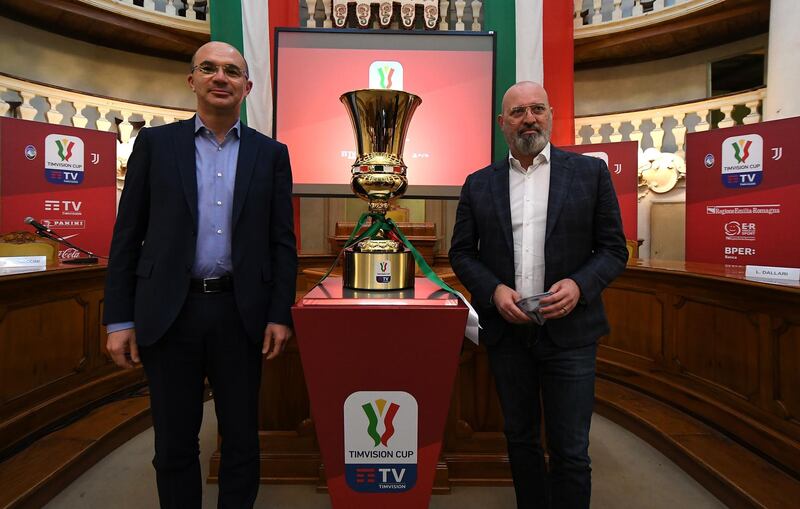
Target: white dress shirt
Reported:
[(528, 190)]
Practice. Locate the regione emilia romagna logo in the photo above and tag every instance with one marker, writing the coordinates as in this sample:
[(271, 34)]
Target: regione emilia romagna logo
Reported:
[(742, 161), (385, 74), (380, 441), (63, 159)]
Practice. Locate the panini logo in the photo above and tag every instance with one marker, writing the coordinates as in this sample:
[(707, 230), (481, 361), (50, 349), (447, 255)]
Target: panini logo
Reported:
[(63, 159), (742, 161), (380, 441), (386, 75), (65, 224)]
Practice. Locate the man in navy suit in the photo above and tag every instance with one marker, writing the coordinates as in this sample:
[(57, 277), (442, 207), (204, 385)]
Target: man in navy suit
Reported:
[(201, 277), (541, 220)]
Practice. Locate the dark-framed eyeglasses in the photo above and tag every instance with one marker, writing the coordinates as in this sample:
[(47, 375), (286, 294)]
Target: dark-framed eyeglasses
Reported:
[(230, 70), (518, 112)]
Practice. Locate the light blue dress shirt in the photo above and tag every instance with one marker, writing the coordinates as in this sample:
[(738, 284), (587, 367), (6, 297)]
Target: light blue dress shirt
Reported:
[(216, 175)]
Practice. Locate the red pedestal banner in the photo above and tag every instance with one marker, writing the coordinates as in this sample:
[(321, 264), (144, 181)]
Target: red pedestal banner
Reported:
[(64, 177), (622, 159), (380, 368), (742, 188)]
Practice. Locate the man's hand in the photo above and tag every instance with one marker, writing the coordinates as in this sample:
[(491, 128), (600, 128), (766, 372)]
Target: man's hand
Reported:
[(122, 347), (564, 299), (505, 300), (275, 338)]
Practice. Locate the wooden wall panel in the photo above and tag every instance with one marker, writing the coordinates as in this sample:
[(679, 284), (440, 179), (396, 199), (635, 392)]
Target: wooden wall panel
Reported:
[(52, 358), (29, 333), (787, 377), (718, 346), (731, 350), (636, 317)]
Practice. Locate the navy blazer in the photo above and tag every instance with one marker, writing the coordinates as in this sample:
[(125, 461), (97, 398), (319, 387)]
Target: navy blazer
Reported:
[(584, 241), (155, 234)]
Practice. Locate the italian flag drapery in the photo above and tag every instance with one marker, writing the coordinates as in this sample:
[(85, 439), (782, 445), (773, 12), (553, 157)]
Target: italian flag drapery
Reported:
[(535, 43), (249, 25)]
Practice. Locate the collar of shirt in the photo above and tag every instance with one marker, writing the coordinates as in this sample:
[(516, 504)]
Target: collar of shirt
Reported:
[(200, 127), (541, 157)]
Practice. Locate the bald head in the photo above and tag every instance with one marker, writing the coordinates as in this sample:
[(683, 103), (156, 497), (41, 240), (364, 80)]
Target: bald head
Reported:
[(221, 48), (526, 120), (524, 91)]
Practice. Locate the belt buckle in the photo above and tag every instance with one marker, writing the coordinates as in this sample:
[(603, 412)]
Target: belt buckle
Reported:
[(205, 285)]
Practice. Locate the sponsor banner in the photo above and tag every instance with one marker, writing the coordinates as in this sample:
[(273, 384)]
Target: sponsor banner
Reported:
[(380, 441), (64, 177), (622, 159), (739, 188)]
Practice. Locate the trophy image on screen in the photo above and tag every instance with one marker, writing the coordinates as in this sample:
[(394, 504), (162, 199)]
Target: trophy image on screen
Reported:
[(380, 118)]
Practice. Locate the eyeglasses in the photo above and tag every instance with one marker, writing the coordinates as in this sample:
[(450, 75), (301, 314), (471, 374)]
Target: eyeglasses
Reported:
[(518, 112), (230, 70)]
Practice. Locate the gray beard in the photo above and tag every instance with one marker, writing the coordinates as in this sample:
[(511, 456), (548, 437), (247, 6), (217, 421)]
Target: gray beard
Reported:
[(531, 144)]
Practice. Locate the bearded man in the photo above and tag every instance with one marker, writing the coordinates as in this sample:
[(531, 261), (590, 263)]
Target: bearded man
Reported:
[(541, 220)]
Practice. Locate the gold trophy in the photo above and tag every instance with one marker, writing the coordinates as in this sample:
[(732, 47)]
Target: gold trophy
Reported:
[(380, 120)]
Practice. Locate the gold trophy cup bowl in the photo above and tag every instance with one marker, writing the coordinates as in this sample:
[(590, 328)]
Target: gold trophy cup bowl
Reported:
[(380, 120)]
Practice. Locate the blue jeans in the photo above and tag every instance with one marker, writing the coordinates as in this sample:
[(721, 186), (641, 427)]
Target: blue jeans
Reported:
[(532, 376)]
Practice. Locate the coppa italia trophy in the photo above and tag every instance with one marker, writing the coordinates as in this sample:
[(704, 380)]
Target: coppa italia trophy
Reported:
[(380, 258)]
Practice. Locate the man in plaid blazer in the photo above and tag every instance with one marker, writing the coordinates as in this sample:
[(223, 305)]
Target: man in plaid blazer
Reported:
[(541, 220)]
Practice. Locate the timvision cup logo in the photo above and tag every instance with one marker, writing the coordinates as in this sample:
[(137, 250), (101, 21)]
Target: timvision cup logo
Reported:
[(742, 161), (63, 159), (380, 441), (386, 75)]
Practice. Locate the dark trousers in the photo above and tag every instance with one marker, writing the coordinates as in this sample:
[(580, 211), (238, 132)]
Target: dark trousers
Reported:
[(207, 340), (534, 375)]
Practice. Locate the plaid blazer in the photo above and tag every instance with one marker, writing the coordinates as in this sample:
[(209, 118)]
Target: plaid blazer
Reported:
[(583, 241)]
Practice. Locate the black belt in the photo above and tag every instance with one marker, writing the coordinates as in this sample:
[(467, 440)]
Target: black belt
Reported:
[(211, 285)]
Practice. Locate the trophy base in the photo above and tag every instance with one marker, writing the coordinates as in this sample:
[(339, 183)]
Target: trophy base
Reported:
[(378, 271)]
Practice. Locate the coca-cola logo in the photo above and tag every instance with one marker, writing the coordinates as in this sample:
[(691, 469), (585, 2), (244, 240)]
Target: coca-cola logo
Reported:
[(69, 253)]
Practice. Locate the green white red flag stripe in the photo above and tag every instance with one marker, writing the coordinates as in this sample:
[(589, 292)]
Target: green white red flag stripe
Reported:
[(535, 43), (249, 25)]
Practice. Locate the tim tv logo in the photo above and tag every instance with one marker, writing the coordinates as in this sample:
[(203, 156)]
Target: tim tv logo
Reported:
[(742, 161), (66, 207), (386, 75), (380, 449), (63, 159)]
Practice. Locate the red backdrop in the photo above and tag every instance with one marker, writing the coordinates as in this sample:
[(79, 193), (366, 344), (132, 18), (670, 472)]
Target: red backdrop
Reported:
[(623, 162), (64, 177), (742, 185)]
